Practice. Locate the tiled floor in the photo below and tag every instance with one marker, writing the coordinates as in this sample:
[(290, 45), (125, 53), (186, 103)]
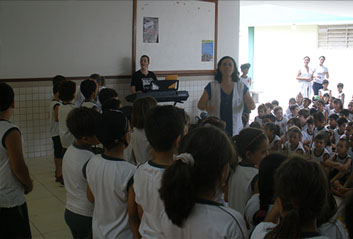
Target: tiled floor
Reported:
[(46, 203)]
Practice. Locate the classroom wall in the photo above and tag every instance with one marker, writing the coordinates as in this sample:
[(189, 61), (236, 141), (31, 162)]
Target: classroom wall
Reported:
[(32, 97)]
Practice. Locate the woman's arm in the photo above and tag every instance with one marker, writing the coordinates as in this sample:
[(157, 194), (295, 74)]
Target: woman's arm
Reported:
[(202, 104), (249, 102)]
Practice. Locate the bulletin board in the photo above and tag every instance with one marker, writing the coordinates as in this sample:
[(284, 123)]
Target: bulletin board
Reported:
[(180, 37)]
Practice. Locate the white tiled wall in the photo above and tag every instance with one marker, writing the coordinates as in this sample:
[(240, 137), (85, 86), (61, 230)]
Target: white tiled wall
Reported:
[(32, 109)]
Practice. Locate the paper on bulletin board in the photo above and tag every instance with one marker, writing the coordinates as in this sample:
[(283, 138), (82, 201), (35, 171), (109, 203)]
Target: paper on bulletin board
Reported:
[(207, 50), (150, 30)]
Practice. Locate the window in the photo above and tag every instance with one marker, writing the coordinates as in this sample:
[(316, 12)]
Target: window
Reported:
[(335, 36)]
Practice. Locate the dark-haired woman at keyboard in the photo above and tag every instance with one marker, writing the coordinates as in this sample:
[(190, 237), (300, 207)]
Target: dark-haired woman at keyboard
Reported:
[(142, 79)]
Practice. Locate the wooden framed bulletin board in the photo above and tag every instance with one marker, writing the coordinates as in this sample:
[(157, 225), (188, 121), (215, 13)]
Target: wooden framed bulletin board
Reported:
[(183, 39)]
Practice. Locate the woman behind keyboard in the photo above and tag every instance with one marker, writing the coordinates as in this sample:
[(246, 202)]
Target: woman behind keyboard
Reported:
[(142, 79)]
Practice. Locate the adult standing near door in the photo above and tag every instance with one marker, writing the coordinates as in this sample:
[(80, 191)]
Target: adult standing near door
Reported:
[(304, 78), (320, 74), (224, 97)]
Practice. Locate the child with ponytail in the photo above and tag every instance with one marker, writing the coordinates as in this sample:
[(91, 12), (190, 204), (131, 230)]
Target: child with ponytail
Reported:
[(252, 146), (301, 187), (191, 185)]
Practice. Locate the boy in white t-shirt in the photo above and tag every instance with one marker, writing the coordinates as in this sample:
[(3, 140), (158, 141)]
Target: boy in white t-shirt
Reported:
[(15, 181), (110, 180), (89, 90), (164, 128), (244, 76), (79, 211), (54, 127), (67, 91)]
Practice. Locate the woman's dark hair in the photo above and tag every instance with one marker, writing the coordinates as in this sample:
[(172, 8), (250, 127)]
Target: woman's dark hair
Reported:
[(329, 210), (302, 187), (107, 94), (267, 169), (67, 90), (163, 125), (235, 75), (7, 96), (139, 111), (81, 122), (183, 183), (273, 127), (248, 139), (148, 59)]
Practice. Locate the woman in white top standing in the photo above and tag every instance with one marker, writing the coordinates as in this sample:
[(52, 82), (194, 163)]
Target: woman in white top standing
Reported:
[(320, 74), (191, 185), (304, 77)]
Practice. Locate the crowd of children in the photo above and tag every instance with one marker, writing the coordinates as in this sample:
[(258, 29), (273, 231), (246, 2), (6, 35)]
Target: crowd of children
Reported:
[(157, 176)]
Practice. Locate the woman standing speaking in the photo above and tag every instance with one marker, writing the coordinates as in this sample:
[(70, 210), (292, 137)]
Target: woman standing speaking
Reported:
[(226, 95)]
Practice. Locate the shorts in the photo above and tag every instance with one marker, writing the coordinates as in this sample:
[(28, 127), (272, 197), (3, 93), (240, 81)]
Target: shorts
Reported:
[(80, 226), (58, 149), (14, 222)]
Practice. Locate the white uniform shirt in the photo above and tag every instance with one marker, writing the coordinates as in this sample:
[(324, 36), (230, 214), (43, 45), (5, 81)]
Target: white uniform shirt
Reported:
[(54, 126), (263, 228), (75, 182), (334, 112), (307, 136), (89, 104), (11, 190), (240, 187), (318, 158), (140, 146), (275, 140), (246, 81), (333, 229), (322, 91), (66, 137), (209, 220), (109, 179), (282, 124), (337, 135), (147, 182), (291, 151), (252, 207)]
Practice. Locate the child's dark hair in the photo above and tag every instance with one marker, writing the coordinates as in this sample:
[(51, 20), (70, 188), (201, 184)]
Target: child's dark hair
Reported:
[(313, 111), (293, 107), (275, 102), (271, 117), (164, 124), (106, 94), (307, 99), (111, 104), (256, 125), (333, 117), (345, 112), (326, 95), (304, 112), (340, 85), (302, 187), (310, 120), (98, 78), (58, 79), (320, 101), (345, 141), (338, 101), (248, 139), (321, 136), (273, 127), (325, 82), (81, 122), (342, 121), (261, 107), (245, 66), (294, 121), (214, 121), (139, 111), (350, 123), (277, 108), (267, 169), (319, 117), (292, 99), (235, 75), (184, 181), (7, 96), (67, 90), (127, 110), (87, 87), (295, 129), (269, 105), (348, 215), (56, 87)]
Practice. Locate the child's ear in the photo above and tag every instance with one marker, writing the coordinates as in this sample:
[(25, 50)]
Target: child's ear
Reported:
[(248, 154), (177, 141)]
